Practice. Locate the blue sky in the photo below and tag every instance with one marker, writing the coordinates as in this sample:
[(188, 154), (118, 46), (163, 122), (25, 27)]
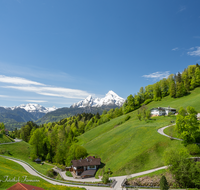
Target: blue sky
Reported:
[(56, 53)]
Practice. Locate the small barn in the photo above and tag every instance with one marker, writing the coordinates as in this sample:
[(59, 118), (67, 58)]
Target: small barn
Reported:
[(38, 161)]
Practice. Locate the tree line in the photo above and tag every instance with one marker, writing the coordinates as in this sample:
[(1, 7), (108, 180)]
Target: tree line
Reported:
[(176, 85)]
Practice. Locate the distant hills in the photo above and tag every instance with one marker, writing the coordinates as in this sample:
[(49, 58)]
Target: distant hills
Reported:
[(18, 115)]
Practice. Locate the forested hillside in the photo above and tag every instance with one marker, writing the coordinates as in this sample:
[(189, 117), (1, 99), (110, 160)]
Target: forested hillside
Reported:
[(175, 86), (117, 136)]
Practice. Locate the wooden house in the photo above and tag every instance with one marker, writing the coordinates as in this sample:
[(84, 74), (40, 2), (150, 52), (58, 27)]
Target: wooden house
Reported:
[(85, 167)]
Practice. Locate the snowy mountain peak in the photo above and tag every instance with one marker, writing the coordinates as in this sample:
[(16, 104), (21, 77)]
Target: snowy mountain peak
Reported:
[(111, 93), (111, 98), (34, 108), (89, 98)]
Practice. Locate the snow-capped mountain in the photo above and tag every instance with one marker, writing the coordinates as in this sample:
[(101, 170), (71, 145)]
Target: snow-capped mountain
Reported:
[(111, 98), (36, 110)]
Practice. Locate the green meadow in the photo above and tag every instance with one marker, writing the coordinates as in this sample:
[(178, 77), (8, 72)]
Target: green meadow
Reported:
[(21, 150), (17, 172), (4, 139), (135, 145)]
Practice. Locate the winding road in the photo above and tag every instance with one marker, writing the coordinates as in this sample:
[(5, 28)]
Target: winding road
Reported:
[(161, 131), (119, 179)]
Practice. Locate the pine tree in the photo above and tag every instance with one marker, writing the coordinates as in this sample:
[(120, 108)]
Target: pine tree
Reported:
[(197, 76), (172, 89), (163, 183)]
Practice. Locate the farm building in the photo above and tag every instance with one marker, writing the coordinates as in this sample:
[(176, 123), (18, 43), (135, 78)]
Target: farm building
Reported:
[(162, 111)]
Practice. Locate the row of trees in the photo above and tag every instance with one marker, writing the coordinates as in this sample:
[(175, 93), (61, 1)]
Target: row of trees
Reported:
[(176, 86)]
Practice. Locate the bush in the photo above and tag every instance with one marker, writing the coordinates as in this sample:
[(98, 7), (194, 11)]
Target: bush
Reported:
[(163, 183), (50, 173), (68, 173), (127, 118), (105, 178), (193, 149), (147, 101)]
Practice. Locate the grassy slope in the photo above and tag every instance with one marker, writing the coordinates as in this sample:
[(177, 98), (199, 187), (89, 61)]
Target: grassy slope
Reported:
[(135, 145), (171, 131), (4, 139), (14, 170), (21, 151)]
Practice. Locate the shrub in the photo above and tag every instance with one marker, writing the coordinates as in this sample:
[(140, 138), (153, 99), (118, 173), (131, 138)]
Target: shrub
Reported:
[(147, 101), (193, 149), (163, 183), (105, 178), (68, 173), (127, 118), (50, 173)]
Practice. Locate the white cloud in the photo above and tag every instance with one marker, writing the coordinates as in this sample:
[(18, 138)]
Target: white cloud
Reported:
[(174, 49), (26, 85), (157, 75), (18, 81), (36, 101), (3, 96), (194, 53), (53, 91), (182, 8)]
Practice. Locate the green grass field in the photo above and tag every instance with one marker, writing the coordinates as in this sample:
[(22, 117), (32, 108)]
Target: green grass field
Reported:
[(4, 139), (17, 172), (21, 151), (135, 145), (131, 147)]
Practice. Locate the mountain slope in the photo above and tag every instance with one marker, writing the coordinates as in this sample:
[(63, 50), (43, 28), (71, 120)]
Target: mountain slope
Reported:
[(62, 113), (17, 115), (135, 145)]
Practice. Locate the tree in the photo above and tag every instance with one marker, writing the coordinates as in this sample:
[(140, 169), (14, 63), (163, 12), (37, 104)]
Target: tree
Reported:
[(163, 183), (184, 170), (172, 89), (164, 87), (157, 92), (36, 143), (187, 125)]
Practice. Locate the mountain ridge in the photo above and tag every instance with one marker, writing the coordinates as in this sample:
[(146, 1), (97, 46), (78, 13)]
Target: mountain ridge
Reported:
[(111, 98)]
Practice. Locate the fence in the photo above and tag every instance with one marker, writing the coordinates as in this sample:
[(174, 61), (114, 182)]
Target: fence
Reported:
[(59, 181)]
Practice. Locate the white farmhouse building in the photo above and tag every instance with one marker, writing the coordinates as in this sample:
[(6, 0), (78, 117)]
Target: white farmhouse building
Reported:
[(162, 111)]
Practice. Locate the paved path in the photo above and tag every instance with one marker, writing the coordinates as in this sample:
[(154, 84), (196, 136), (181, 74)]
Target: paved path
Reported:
[(16, 140), (32, 172), (91, 179), (161, 131), (118, 179)]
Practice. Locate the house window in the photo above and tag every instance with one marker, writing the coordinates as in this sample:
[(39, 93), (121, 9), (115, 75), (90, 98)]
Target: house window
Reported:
[(91, 167)]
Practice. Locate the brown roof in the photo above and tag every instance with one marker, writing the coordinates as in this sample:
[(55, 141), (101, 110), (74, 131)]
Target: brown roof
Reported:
[(88, 173), (89, 161), (22, 186)]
